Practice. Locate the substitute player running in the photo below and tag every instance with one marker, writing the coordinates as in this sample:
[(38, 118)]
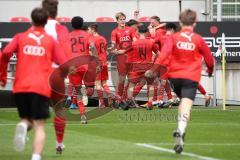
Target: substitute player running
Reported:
[(61, 35), (186, 50), (35, 51), (81, 45)]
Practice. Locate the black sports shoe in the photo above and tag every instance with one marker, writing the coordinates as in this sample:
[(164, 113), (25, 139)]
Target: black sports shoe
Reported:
[(176, 102), (178, 147), (68, 102), (83, 119), (168, 104), (132, 103), (124, 105), (59, 150), (161, 104)]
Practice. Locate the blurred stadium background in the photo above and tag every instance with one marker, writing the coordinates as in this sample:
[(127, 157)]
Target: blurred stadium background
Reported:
[(168, 10), (212, 131), (209, 15)]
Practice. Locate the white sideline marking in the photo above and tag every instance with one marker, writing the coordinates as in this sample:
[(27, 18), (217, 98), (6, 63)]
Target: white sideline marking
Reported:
[(201, 144), (171, 151)]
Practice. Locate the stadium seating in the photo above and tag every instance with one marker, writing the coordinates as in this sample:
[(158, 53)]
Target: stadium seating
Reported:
[(104, 19), (144, 19), (64, 19), (20, 19)]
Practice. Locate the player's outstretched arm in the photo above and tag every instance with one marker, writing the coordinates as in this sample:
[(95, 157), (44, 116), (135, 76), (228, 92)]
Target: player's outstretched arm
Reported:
[(7, 53)]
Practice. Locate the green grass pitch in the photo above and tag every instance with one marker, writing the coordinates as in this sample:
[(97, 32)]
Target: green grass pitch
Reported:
[(212, 133)]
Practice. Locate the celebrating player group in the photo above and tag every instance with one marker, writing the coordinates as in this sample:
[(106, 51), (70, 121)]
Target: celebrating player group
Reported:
[(158, 55)]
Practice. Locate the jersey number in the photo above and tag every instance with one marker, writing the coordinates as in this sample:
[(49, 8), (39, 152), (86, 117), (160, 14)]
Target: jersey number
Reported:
[(76, 41)]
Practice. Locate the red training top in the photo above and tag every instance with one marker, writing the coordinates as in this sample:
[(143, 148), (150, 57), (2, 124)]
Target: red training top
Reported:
[(35, 51), (186, 50), (142, 51)]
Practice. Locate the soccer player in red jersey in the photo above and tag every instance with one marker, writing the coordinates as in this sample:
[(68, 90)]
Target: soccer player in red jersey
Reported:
[(81, 45), (35, 51), (156, 28), (133, 24), (140, 59), (122, 38), (171, 28), (54, 28), (186, 50), (60, 34), (157, 31), (102, 77)]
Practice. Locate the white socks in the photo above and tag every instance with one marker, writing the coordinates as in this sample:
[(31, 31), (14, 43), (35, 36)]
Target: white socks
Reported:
[(23, 124), (182, 123), (36, 157)]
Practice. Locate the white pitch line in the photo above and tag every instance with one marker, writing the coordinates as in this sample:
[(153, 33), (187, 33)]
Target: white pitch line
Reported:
[(171, 151), (201, 144)]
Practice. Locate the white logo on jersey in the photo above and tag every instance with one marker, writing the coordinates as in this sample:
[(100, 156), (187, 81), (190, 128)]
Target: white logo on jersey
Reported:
[(33, 50), (189, 37), (126, 38), (36, 38), (189, 46)]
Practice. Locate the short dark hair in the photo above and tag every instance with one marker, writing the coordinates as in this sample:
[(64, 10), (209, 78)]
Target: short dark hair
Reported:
[(39, 17), (51, 6), (77, 22), (188, 17), (94, 27), (142, 29), (132, 22), (171, 26), (156, 18), (84, 27)]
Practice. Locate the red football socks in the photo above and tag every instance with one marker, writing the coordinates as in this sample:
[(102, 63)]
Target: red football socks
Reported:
[(59, 126), (81, 107)]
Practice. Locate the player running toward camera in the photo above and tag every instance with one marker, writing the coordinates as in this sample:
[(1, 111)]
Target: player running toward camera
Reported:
[(60, 34), (81, 45), (140, 59), (102, 77), (35, 51), (186, 50), (122, 38)]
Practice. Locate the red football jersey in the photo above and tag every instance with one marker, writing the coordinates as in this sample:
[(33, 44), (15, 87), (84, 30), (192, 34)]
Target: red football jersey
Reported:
[(59, 33), (35, 51), (123, 37), (100, 44), (186, 50), (80, 41), (142, 51), (160, 32), (159, 36)]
